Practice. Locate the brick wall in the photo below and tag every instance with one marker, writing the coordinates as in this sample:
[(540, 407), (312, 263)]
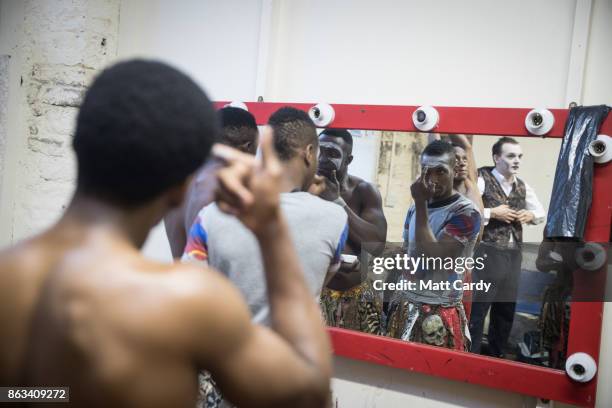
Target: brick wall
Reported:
[(64, 44), (398, 167)]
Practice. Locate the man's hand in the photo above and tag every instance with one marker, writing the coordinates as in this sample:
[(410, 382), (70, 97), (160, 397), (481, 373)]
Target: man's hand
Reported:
[(525, 216), (420, 190), (248, 188), (332, 188), (318, 185), (504, 213)]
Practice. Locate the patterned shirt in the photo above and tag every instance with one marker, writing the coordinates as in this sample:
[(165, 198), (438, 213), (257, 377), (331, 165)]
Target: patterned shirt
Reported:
[(455, 217)]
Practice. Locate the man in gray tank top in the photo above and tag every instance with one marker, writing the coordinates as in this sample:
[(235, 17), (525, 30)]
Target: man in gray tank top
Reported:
[(318, 228)]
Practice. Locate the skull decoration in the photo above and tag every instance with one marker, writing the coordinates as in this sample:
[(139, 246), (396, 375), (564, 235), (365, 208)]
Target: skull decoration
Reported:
[(434, 331)]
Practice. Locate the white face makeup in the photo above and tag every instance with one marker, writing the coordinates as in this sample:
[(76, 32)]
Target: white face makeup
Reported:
[(508, 163), (330, 157), (429, 173), (431, 162)]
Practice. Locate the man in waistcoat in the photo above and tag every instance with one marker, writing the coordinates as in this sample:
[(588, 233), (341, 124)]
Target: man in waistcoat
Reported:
[(509, 203)]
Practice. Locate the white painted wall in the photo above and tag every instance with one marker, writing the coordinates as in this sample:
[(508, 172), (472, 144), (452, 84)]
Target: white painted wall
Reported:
[(4, 99), (597, 79), (56, 47), (216, 42), (11, 16), (468, 53)]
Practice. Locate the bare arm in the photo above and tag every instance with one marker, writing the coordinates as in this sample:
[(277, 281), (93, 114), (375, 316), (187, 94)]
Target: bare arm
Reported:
[(287, 365), (473, 194), (461, 230), (175, 230), (462, 140), (425, 239), (433, 136), (369, 227), (201, 191)]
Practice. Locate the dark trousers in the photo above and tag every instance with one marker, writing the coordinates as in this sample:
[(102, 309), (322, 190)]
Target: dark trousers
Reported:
[(502, 268)]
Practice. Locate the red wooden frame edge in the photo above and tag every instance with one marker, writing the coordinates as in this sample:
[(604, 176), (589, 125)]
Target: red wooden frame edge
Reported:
[(477, 121), (585, 331), (461, 366)]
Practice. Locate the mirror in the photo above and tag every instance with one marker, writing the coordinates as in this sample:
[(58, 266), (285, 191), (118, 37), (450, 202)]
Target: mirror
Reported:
[(523, 314)]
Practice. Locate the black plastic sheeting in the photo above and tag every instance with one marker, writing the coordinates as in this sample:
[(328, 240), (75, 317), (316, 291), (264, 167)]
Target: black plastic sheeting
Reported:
[(573, 186)]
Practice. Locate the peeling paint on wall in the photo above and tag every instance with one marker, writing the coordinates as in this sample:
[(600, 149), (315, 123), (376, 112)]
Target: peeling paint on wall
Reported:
[(65, 44), (4, 63), (398, 167)]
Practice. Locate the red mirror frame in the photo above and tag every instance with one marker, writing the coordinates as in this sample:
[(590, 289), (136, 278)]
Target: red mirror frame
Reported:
[(586, 317)]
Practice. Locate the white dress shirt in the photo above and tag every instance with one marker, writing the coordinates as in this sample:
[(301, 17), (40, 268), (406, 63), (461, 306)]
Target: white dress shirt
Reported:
[(531, 200)]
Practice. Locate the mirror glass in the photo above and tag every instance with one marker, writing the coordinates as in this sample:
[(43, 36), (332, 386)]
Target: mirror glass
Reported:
[(512, 298)]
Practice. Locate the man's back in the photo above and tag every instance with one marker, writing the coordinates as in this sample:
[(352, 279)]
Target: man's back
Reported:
[(86, 311), (318, 231), (80, 306)]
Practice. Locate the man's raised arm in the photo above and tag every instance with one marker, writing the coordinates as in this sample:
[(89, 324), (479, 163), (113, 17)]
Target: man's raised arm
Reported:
[(370, 226)]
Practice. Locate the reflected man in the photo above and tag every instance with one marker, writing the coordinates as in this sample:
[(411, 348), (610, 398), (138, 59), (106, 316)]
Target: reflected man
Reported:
[(238, 130), (441, 224), (349, 301), (509, 202)]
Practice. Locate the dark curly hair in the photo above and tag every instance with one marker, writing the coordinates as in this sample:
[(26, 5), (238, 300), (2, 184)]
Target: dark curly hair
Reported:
[(143, 127), (293, 129)]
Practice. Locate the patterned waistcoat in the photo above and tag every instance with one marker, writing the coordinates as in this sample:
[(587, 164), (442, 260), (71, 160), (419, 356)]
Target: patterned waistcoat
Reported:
[(498, 231)]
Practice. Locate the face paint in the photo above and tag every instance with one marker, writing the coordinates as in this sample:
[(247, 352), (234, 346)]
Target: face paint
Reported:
[(508, 163), (330, 157), (434, 161), (436, 172)]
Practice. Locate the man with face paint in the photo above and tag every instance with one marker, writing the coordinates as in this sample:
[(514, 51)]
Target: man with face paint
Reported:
[(441, 224), (465, 182), (349, 300), (466, 173), (509, 202)]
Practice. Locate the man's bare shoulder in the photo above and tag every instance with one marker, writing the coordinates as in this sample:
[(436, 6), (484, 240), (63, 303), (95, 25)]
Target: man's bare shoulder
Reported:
[(201, 296), (23, 270), (26, 260), (363, 187), (206, 310), (197, 281)]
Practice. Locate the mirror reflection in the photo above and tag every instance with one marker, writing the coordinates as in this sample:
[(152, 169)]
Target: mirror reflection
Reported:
[(443, 243)]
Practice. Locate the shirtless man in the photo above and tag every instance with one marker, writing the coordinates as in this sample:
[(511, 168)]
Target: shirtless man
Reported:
[(349, 301), (238, 130), (81, 307)]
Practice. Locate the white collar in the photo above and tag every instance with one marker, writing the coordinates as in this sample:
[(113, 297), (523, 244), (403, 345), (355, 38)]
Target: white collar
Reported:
[(501, 179)]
